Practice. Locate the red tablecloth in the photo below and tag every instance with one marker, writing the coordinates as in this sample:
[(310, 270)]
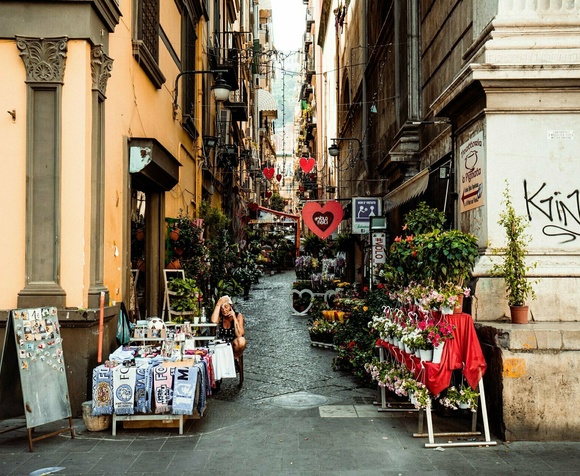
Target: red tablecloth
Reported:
[(462, 352)]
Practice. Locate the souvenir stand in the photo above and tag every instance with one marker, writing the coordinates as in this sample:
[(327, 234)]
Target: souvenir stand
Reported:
[(163, 375), (462, 352)]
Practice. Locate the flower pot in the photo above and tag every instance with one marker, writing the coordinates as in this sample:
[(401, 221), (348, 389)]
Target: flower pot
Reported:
[(519, 314), (463, 406), (437, 353), (174, 234), (458, 309), (175, 264), (426, 355), (446, 310)]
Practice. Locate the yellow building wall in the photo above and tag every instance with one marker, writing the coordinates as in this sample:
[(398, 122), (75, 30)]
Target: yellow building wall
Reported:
[(13, 173)]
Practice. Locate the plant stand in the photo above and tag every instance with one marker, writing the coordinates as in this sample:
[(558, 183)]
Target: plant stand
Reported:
[(431, 434)]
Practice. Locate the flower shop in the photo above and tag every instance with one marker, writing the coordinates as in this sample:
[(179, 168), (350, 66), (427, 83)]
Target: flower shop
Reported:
[(408, 336)]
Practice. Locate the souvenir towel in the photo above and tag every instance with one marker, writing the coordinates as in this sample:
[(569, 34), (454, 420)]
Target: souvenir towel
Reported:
[(163, 388), (102, 391), (208, 359), (184, 384), (202, 366), (143, 390), (124, 389), (224, 366)]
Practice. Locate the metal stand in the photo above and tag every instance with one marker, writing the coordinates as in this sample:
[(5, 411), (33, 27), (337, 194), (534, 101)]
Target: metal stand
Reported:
[(431, 435), (388, 407)]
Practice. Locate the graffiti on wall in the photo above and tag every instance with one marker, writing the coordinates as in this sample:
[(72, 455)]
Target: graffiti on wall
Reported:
[(561, 209)]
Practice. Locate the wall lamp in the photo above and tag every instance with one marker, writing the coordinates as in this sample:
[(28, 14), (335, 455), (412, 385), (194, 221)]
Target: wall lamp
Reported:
[(209, 142), (334, 150), (221, 89)]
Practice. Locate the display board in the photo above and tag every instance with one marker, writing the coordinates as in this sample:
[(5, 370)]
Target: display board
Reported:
[(33, 345)]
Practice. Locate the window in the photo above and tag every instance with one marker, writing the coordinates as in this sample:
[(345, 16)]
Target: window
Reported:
[(146, 39)]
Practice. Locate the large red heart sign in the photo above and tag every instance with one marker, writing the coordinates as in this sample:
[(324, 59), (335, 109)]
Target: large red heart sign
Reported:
[(307, 164), (268, 172), (322, 220)]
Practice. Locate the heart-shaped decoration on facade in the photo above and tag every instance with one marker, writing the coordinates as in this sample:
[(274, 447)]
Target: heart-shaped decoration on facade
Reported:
[(268, 194), (307, 164), (269, 172), (322, 220), (279, 177)]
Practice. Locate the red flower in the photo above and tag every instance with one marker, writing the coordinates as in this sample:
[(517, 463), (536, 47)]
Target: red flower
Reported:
[(414, 254), (380, 286), (351, 344), (397, 239), (365, 289)]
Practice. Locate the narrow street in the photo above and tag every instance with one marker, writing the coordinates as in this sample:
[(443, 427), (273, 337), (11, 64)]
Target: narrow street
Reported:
[(293, 415), (279, 360)]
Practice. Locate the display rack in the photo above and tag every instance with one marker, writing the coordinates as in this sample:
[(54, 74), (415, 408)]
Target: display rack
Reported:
[(463, 352)]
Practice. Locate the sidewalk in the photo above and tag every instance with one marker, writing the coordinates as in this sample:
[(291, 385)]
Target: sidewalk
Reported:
[(294, 415)]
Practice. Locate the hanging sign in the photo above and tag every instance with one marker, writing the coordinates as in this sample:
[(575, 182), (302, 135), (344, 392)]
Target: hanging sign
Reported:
[(363, 209), (268, 172), (279, 177), (322, 220), (307, 164)]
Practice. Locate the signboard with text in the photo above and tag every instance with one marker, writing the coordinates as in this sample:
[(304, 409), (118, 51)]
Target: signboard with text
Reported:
[(471, 168), (379, 241), (363, 209)]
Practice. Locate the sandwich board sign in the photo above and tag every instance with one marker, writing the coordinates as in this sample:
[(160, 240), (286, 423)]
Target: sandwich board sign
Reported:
[(33, 372)]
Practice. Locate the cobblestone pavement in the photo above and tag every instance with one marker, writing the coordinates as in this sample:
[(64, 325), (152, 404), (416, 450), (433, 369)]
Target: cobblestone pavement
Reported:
[(279, 359), (293, 416)]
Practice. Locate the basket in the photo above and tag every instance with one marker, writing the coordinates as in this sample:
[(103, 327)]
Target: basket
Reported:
[(94, 423)]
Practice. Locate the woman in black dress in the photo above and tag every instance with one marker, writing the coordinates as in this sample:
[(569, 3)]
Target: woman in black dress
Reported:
[(230, 325)]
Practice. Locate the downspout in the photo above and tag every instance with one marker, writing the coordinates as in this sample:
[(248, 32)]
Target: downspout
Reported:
[(365, 111), (256, 79), (397, 33)]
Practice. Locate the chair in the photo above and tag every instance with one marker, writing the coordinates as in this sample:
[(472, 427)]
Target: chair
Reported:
[(168, 275)]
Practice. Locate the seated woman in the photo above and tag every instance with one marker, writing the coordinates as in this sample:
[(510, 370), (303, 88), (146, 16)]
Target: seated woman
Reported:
[(230, 325)]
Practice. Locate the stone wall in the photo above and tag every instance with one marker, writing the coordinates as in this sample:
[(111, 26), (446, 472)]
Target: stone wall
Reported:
[(533, 380)]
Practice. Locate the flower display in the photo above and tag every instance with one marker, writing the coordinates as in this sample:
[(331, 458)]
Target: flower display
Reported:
[(462, 397)]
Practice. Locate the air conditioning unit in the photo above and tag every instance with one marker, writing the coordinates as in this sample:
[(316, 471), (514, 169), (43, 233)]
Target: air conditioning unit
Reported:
[(224, 121)]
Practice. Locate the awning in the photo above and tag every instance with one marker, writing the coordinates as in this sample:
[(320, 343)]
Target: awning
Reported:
[(406, 191), (152, 167), (266, 102)]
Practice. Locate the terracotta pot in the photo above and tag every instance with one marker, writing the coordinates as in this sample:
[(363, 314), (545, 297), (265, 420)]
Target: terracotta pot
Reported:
[(175, 264), (174, 234), (458, 309), (519, 314), (140, 234)]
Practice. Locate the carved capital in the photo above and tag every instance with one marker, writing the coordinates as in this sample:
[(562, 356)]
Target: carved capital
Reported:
[(44, 58), (101, 67)]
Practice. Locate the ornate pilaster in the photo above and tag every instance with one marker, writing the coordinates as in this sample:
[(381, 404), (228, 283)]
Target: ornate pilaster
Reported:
[(101, 67), (44, 58)]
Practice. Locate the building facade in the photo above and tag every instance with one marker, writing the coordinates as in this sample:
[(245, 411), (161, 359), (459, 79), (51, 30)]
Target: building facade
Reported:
[(110, 110), (446, 103)]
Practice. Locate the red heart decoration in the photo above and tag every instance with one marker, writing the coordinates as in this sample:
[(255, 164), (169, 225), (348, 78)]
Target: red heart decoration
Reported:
[(322, 220), (279, 177), (268, 194), (268, 172), (307, 164)]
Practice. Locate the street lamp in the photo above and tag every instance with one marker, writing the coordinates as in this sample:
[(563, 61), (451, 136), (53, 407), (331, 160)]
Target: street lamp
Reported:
[(334, 150), (221, 89)]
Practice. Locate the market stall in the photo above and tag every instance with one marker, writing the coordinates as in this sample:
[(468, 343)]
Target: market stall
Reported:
[(165, 374)]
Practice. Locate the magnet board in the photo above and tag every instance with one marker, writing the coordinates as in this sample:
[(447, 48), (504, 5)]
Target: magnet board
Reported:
[(33, 345)]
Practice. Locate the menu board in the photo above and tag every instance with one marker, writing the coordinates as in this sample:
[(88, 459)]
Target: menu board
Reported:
[(33, 345)]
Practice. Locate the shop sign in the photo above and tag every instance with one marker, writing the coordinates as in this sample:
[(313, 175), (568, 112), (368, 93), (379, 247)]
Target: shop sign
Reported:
[(471, 168), (363, 209)]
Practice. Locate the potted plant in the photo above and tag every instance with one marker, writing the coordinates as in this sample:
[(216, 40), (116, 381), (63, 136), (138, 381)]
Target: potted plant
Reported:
[(462, 398), (513, 267), (186, 297)]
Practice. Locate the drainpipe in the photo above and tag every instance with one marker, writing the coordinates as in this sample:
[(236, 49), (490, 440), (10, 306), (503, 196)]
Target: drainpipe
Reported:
[(365, 110), (256, 80)]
